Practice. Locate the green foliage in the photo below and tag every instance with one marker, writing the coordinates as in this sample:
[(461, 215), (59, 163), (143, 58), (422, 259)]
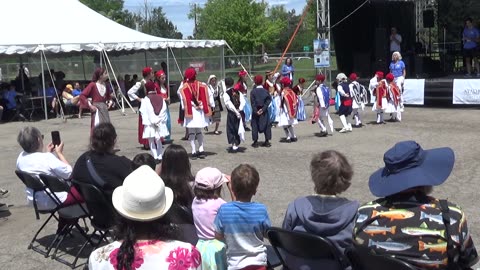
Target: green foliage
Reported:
[(158, 25), (242, 23)]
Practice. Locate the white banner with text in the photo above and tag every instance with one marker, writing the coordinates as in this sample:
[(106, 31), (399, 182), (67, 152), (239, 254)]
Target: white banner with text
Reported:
[(466, 91), (414, 91)]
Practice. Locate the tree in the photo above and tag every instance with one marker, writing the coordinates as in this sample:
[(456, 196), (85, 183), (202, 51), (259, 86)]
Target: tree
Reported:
[(112, 9), (242, 23), (155, 23)]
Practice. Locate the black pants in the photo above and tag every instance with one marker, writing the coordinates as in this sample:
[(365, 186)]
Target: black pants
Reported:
[(260, 124)]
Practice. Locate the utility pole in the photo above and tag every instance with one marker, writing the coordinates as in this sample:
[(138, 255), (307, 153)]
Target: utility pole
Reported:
[(195, 20)]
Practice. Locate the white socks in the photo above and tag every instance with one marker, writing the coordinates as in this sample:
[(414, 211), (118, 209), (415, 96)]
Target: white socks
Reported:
[(322, 126), (292, 133), (379, 117), (195, 134), (200, 141), (287, 133), (330, 123), (156, 147), (343, 119)]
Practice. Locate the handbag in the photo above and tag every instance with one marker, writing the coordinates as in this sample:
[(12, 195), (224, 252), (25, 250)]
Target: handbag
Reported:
[(96, 179)]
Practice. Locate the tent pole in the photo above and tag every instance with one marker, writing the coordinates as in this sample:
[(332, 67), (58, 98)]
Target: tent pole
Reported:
[(145, 55), (168, 72), (43, 86), (222, 59), (83, 67)]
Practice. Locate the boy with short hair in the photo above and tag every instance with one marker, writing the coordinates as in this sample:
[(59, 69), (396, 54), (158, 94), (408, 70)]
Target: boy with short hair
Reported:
[(243, 223)]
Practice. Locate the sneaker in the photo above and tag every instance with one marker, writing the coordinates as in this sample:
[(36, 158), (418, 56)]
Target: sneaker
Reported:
[(4, 193), (344, 130), (201, 155)]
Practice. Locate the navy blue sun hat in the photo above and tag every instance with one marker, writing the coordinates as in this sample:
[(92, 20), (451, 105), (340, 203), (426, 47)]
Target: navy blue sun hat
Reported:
[(407, 165)]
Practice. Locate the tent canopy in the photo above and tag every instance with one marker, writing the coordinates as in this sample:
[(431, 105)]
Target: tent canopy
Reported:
[(33, 25)]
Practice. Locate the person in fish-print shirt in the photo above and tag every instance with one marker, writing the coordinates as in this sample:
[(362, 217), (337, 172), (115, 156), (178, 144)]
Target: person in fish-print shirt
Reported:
[(408, 223)]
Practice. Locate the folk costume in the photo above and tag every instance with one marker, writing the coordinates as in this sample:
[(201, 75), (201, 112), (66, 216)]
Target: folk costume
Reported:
[(381, 102), (277, 99), (235, 104), (138, 92), (197, 105), (163, 90), (373, 85), (288, 110), (241, 86), (298, 89), (359, 98), (261, 100), (394, 99), (98, 92), (346, 102), (216, 91), (153, 110), (322, 94)]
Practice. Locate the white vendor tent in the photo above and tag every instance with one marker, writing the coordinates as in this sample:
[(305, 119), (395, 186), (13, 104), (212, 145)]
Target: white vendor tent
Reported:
[(39, 26)]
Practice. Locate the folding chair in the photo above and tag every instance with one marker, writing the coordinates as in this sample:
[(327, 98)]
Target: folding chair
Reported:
[(101, 211), (36, 185), (72, 213), (362, 258), (301, 250)]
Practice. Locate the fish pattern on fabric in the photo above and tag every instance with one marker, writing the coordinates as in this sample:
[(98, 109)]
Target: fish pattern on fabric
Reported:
[(412, 230)]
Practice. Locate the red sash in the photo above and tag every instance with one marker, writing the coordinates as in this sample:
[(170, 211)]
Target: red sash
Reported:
[(198, 92), (381, 92), (291, 100), (395, 93)]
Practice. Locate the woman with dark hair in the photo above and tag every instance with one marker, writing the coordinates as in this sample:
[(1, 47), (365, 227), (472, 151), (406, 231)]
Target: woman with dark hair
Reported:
[(110, 168), (287, 69), (177, 174), (101, 100), (144, 232)]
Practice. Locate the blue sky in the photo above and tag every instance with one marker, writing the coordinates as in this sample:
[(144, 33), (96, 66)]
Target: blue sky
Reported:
[(177, 10)]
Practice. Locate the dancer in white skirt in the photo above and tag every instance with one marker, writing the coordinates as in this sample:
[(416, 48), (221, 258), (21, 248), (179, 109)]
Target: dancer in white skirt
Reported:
[(323, 94), (153, 110), (373, 86), (288, 110), (394, 99), (380, 94), (359, 98), (345, 108), (277, 97)]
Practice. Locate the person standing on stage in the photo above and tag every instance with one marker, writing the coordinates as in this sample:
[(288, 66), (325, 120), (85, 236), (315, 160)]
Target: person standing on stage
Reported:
[(260, 119), (101, 99), (345, 108), (164, 91), (380, 94), (395, 41), (216, 91), (359, 98), (197, 105), (288, 110), (137, 92), (322, 93), (235, 103), (397, 68), (471, 47), (153, 110)]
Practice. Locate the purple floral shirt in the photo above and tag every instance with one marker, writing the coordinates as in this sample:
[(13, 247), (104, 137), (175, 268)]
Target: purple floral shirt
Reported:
[(155, 254)]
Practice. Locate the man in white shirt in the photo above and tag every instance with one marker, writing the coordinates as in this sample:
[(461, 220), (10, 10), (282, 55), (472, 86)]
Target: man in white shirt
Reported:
[(395, 41)]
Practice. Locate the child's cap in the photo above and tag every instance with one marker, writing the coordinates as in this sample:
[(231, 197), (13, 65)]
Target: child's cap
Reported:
[(209, 178)]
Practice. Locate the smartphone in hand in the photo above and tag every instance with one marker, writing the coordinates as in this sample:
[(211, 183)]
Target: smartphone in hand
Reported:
[(56, 137)]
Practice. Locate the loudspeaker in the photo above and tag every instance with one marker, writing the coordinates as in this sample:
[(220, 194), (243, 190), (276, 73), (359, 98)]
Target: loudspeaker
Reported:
[(428, 19)]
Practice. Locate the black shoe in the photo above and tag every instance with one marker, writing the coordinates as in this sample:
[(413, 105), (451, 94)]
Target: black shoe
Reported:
[(288, 140), (206, 129), (247, 129), (266, 144), (294, 139), (255, 144), (201, 155), (232, 151), (158, 161), (194, 156), (357, 126), (323, 134), (184, 139)]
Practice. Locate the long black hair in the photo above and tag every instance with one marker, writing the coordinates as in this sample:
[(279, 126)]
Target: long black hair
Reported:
[(177, 174), (129, 232)]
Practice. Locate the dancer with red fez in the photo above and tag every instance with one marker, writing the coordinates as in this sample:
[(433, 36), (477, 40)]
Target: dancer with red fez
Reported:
[(373, 85), (137, 92), (345, 108), (241, 86), (197, 105), (323, 95), (394, 97), (235, 103), (288, 110), (260, 119), (153, 110), (380, 94), (163, 90), (359, 98), (101, 100)]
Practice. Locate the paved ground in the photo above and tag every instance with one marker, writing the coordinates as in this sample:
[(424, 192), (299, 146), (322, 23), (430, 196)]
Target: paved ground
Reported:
[(283, 167)]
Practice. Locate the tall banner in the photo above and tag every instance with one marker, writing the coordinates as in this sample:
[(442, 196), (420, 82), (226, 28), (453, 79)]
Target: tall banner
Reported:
[(466, 91), (321, 53), (414, 91)]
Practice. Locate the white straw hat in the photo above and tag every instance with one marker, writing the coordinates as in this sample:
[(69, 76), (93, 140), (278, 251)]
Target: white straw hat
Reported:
[(143, 196)]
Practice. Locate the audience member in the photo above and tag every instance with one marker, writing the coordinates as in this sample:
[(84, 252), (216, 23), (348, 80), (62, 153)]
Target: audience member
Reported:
[(325, 213), (111, 169), (35, 159), (77, 90), (207, 201), (242, 223), (408, 223), (144, 232), (143, 159)]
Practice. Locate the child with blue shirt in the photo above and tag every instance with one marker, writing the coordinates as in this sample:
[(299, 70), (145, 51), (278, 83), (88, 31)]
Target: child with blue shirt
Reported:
[(243, 223)]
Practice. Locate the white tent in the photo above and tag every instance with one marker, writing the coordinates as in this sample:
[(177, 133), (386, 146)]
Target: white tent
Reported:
[(62, 26), (57, 26)]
